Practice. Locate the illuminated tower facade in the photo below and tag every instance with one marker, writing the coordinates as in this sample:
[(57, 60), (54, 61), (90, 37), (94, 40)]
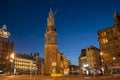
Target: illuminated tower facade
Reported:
[(50, 47), (109, 41), (6, 49)]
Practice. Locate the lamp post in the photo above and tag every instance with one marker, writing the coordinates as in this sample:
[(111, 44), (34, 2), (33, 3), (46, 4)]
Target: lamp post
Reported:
[(102, 63), (114, 58)]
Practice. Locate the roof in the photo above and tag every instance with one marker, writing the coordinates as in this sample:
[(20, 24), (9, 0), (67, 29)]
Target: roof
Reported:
[(83, 53)]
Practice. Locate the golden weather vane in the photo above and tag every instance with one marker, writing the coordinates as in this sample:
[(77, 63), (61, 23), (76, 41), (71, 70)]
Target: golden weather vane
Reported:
[(51, 8)]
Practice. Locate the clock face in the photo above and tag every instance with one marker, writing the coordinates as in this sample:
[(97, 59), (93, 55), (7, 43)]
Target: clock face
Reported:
[(50, 38), (50, 23)]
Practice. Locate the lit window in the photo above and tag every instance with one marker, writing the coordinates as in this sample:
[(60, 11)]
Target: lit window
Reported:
[(104, 33), (105, 40)]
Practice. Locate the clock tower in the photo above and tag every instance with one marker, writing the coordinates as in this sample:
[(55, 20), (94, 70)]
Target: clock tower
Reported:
[(50, 47)]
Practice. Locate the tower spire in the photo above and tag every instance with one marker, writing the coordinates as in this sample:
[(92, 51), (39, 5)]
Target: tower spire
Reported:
[(116, 17), (50, 48), (51, 35), (51, 13)]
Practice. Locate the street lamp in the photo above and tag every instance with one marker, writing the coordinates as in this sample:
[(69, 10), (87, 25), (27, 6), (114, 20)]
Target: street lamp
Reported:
[(101, 53), (114, 58), (102, 63)]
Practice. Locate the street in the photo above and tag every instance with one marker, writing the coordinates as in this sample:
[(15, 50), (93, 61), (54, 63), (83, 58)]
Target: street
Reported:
[(32, 77)]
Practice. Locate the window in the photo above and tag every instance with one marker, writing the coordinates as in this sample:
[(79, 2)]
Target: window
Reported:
[(61, 58), (114, 30), (115, 38), (104, 40), (103, 34), (105, 47), (108, 32), (116, 46), (110, 39), (111, 47), (118, 33)]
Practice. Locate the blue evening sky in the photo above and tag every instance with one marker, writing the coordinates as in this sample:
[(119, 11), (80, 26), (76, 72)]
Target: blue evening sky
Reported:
[(76, 21)]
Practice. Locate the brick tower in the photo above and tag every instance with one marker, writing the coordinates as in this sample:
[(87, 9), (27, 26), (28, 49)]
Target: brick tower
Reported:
[(50, 47)]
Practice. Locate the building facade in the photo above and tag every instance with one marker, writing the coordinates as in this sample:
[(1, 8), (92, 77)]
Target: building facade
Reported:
[(40, 66), (89, 61), (83, 65), (109, 41), (64, 64), (52, 57), (93, 56), (6, 49), (26, 64), (93, 59)]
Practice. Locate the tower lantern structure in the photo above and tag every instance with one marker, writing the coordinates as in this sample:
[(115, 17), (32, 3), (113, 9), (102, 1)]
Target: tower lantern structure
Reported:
[(50, 19), (50, 35)]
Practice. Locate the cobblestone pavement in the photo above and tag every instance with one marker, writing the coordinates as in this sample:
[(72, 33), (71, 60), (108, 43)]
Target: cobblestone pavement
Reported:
[(25, 77)]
